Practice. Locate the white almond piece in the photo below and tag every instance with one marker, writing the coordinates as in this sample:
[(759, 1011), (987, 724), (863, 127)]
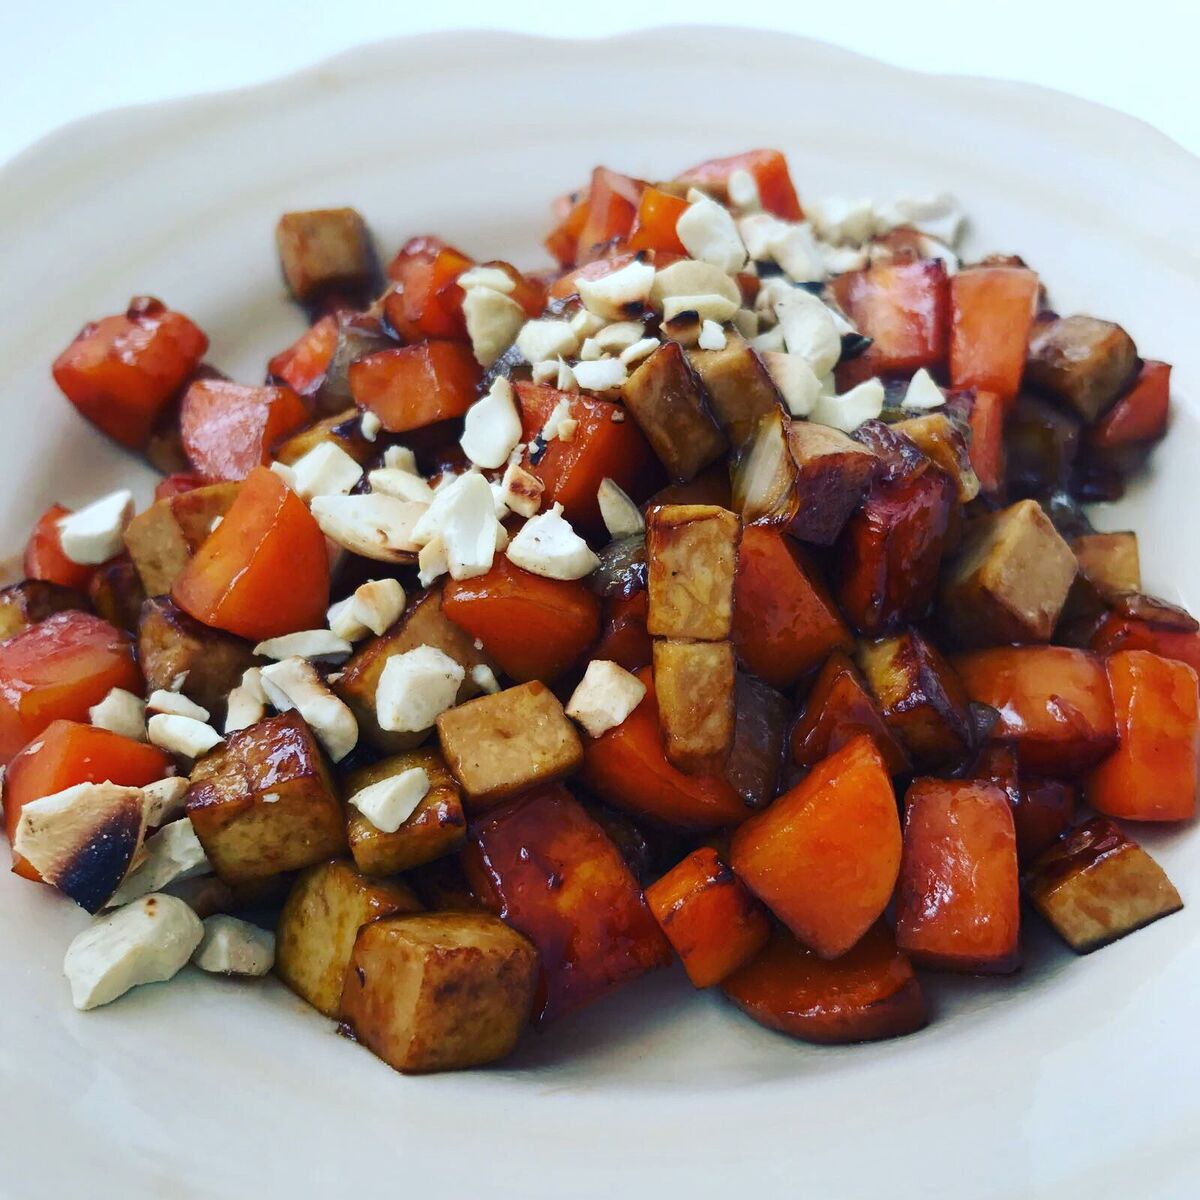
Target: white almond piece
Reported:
[(147, 941), (403, 485), (799, 254), (492, 427), (840, 259), (463, 515), (798, 384), (547, 545), (488, 277), (172, 854), (285, 473), (184, 736), (770, 342), (745, 321), (400, 458), (712, 336), (560, 413), (566, 381), (343, 623), (415, 688), (759, 232), (709, 234), (235, 947), (247, 703), (94, 534), (605, 697), (601, 376), (521, 491), (742, 189), (611, 295), (940, 216), (590, 351), (164, 800), (121, 712), (295, 684), (639, 350), (307, 643), (162, 701), (546, 338), (618, 336), (809, 330), (376, 526), (849, 410), (708, 308), (690, 278), (378, 604), (923, 394), (931, 247), (586, 324), (545, 373), (390, 802), (433, 561), (842, 221), (622, 518), (485, 679), (326, 470), (493, 321), (370, 426)]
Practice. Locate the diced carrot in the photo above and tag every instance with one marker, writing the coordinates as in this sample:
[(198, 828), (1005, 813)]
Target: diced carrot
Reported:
[(415, 386), (544, 866), (838, 709), (571, 213), (56, 669), (628, 767), (1152, 774), (530, 626), (1125, 633), (303, 364), (528, 292), (426, 301), (567, 285), (785, 623), (868, 994), (1140, 415), (120, 372), (44, 557), (611, 208), (264, 571), (958, 906), (991, 313), (1042, 809), (176, 485), (1054, 703), (824, 857), (987, 442), (770, 172), (229, 429), (623, 636), (709, 917), (67, 753), (654, 227), (604, 443)]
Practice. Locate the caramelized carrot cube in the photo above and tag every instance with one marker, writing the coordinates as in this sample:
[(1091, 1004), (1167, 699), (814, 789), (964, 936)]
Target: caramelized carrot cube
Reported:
[(303, 364), (228, 429), (545, 867), (1140, 415), (427, 301), (1152, 774), (414, 386), (987, 443), (264, 571), (58, 669), (825, 856), (530, 626), (991, 315), (121, 372), (870, 993), (958, 906), (709, 917), (769, 170), (611, 208), (571, 213), (44, 557), (1042, 809), (623, 636), (654, 226), (1126, 633)]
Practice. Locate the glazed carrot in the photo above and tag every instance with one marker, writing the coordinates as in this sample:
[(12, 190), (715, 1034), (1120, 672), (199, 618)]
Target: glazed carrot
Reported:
[(1140, 415), (991, 313), (44, 557), (427, 301), (710, 918), (769, 170), (414, 386), (1125, 633), (303, 364), (869, 993), (121, 372), (532, 627), (1152, 774), (987, 442), (228, 429), (264, 571), (654, 226), (628, 768), (1042, 809), (56, 669), (176, 485), (623, 636), (611, 208), (67, 753), (571, 214), (958, 906)]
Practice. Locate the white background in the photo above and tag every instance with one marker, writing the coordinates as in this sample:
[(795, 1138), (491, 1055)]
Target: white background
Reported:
[(72, 57)]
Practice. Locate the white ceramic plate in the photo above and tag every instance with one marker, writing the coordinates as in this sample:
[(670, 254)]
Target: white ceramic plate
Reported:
[(1074, 1078)]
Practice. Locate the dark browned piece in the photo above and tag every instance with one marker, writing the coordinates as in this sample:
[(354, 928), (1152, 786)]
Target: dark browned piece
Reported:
[(694, 682), (325, 251), (358, 334), (1041, 443), (1083, 362), (32, 600), (758, 740), (937, 436), (117, 594), (739, 387), (692, 559)]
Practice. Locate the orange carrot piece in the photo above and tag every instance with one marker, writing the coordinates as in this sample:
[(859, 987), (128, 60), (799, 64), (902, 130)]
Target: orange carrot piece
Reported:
[(991, 313), (769, 170), (414, 386), (44, 557), (303, 364)]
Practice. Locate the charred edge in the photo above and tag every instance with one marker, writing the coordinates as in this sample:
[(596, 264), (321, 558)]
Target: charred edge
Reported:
[(96, 870)]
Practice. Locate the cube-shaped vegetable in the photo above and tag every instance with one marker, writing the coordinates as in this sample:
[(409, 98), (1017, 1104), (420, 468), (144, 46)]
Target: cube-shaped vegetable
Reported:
[(501, 744), (694, 682), (44, 558), (654, 225), (327, 906), (991, 313), (624, 638), (415, 386), (958, 905), (117, 594), (545, 867), (264, 802), (692, 552), (33, 600), (437, 825), (325, 252), (303, 364), (755, 760), (943, 442), (1110, 562), (739, 387), (1139, 417), (1118, 632), (1096, 885), (1041, 445), (768, 169), (441, 992), (426, 301), (1083, 362), (1042, 809), (988, 458)]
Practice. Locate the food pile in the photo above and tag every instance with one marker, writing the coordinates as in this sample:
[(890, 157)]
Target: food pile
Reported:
[(722, 594)]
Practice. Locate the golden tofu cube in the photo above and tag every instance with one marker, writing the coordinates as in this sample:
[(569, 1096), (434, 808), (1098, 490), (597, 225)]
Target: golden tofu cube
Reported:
[(324, 911), (32, 600), (1110, 562), (437, 826), (263, 802), (501, 744), (692, 555), (1081, 361), (739, 387), (343, 430), (324, 250), (440, 992), (694, 682)]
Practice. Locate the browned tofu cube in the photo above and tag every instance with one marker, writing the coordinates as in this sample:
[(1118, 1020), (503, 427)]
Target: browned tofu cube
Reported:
[(738, 385), (692, 556), (423, 624), (921, 698), (668, 403), (264, 801), (501, 744), (1109, 562), (117, 594), (437, 826), (162, 540), (327, 906), (694, 682), (32, 600), (941, 440), (1095, 885), (1011, 579), (440, 992), (173, 645), (1084, 362), (343, 430), (325, 251)]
